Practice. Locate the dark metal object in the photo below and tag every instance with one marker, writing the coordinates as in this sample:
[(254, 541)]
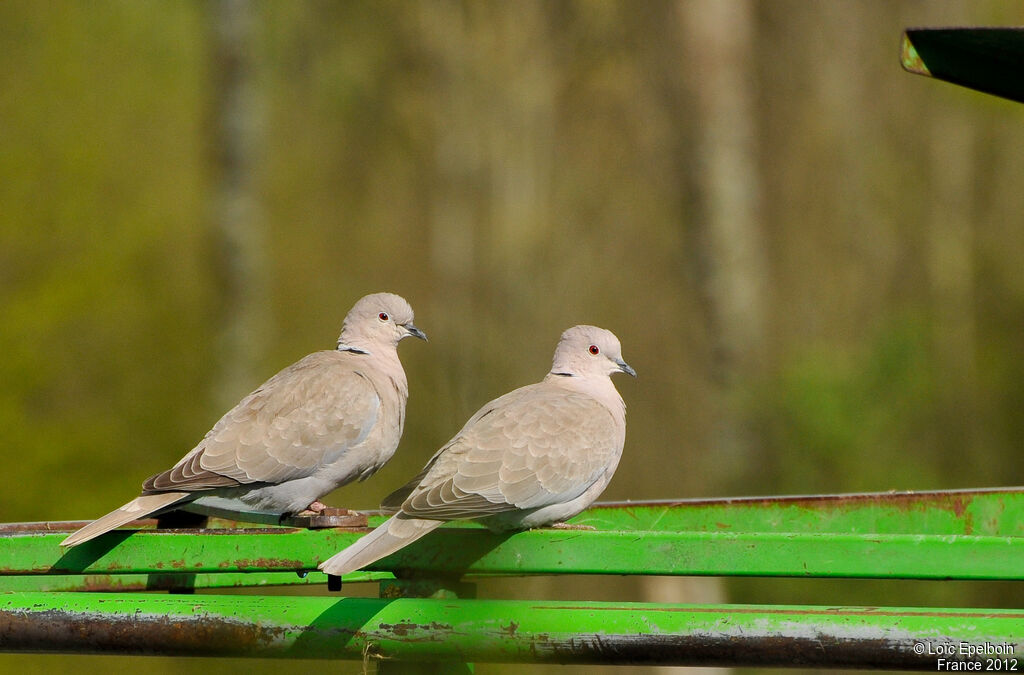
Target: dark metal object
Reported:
[(987, 59)]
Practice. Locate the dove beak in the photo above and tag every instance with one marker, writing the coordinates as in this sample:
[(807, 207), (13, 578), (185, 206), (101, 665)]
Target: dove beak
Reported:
[(415, 332), (625, 367)]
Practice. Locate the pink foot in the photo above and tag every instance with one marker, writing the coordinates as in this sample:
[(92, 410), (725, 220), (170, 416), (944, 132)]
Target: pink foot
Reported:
[(313, 509)]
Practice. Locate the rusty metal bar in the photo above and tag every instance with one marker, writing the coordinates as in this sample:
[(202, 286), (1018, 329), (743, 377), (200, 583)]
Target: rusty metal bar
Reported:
[(407, 629), (105, 583)]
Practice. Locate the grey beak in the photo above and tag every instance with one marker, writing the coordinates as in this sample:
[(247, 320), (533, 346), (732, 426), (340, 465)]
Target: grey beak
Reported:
[(414, 331), (625, 367)]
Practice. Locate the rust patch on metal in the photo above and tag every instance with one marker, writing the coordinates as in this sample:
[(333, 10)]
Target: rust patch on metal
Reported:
[(716, 650), (404, 629), (109, 583), (843, 612), (106, 583), (329, 517), (399, 629), (59, 631), (62, 526), (510, 629), (220, 531), (907, 498), (264, 563)]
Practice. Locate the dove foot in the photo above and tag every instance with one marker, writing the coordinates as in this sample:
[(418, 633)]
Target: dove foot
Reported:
[(320, 509), (568, 526), (313, 509)]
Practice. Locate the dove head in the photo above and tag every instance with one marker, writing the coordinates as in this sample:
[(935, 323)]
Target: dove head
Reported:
[(377, 320), (589, 350)]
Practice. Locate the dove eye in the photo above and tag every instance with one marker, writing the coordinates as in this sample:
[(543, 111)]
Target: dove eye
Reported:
[(594, 350), (383, 316)]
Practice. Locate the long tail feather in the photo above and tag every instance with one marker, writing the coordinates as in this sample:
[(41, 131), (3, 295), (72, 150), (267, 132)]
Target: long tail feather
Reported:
[(397, 532), (140, 507)]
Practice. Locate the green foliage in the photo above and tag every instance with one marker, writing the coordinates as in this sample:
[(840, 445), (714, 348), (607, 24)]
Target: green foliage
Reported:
[(835, 416), (103, 293)]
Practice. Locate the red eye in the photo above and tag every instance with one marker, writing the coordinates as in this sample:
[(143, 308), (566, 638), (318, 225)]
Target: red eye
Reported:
[(594, 350), (383, 316)]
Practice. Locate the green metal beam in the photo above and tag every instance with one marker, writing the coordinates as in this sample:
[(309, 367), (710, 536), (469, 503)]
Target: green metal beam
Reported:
[(988, 512), (500, 631), (954, 535), (462, 550)]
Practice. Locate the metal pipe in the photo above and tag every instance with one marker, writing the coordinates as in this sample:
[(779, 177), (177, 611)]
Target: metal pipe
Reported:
[(503, 631)]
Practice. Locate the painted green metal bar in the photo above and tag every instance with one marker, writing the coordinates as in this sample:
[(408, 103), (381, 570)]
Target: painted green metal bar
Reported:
[(447, 589), (992, 512), (988, 511), (502, 631), (957, 535), (987, 59), (466, 550)]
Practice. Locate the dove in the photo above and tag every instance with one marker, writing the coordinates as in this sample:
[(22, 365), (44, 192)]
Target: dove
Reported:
[(535, 456), (330, 418)]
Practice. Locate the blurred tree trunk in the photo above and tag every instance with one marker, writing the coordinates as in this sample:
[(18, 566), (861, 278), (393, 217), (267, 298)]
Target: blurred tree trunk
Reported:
[(950, 261), (715, 160), (725, 200), (493, 162), (495, 131), (238, 227), (720, 156), (456, 187)]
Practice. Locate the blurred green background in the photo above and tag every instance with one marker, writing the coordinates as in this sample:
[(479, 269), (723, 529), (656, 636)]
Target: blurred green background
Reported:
[(812, 258)]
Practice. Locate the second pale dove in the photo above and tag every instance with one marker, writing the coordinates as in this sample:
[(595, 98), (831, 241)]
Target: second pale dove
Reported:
[(535, 456), (329, 419)]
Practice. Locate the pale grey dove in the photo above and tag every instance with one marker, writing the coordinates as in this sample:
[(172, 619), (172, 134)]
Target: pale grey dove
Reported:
[(329, 419), (535, 456)]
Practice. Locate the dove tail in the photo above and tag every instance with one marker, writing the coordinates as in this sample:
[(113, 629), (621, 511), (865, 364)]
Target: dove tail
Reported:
[(140, 507), (397, 532)]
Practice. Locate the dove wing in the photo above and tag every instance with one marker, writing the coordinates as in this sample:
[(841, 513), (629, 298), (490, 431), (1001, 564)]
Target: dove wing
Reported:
[(304, 417), (536, 446)]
